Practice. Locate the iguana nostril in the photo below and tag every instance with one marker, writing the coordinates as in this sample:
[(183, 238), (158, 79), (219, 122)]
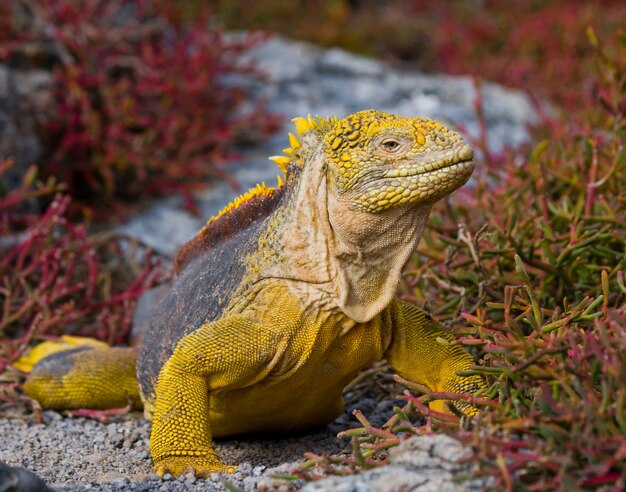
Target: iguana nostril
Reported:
[(442, 139)]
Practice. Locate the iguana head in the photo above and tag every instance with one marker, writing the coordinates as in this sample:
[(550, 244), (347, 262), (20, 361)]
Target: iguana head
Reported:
[(376, 161), (379, 161)]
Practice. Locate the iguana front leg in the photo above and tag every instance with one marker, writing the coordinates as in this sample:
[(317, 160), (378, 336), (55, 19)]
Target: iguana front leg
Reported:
[(229, 353), (423, 353)]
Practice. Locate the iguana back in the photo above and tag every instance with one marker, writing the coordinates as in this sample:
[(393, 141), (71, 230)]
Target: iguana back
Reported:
[(209, 268)]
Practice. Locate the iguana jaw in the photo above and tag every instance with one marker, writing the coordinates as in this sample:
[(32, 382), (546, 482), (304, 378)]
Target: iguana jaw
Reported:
[(459, 160), (414, 181)]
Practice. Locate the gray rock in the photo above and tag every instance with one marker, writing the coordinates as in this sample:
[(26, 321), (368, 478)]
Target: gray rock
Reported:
[(303, 79), (24, 97), (420, 464), (339, 61), (16, 479)]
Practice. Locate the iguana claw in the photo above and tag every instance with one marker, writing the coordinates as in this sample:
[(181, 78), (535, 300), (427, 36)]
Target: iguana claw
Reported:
[(200, 467)]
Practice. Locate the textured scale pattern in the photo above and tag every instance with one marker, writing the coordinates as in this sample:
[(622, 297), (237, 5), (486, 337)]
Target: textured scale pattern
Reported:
[(285, 295), (72, 378), (237, 216)]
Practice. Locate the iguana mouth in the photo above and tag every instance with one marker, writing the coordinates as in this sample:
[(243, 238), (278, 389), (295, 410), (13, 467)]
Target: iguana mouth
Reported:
[(462, 154), (425, 177)]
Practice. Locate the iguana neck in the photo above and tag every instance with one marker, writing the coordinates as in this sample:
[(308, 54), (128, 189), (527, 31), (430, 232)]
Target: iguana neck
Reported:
[(350, 258)]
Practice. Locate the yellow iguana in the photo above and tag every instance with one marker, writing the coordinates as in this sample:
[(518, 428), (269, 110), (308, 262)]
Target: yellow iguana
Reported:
[(284, 296)]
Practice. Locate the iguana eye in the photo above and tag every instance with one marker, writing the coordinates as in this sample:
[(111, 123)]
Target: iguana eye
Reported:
[(390, 145)]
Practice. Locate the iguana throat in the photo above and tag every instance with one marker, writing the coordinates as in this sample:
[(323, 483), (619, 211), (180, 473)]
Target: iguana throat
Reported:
[(350, 261)]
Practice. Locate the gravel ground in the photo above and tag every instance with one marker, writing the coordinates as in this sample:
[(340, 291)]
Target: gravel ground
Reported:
[(75, 453), (78, 454)]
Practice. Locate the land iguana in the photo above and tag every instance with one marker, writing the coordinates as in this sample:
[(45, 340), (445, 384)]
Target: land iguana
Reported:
[(285, 295)]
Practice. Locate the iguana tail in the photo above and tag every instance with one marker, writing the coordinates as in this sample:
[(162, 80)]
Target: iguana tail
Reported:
[(86, 377)]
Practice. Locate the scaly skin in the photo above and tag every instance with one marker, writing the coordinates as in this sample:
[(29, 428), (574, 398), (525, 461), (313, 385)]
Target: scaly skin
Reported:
[(285, 295)]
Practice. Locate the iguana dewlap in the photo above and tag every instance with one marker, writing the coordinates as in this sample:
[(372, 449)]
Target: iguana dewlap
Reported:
[(285, 295)]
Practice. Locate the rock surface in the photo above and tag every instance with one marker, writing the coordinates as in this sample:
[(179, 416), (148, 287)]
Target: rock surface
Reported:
[(419, 464), (23, 96), (80, 454), (15, 479)]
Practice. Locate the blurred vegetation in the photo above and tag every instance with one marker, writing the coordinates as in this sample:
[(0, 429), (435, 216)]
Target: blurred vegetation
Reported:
[(536, 45), (139, 103), (530, 269), (58, 278)]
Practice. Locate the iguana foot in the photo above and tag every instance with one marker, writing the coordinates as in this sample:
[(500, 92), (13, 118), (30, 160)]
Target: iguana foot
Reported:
[(200, 466)]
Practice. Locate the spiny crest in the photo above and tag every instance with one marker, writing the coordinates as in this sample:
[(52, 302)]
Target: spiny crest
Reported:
[(260, 190), (318, 124), (304, 128), (241, 213), (258, 202)]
